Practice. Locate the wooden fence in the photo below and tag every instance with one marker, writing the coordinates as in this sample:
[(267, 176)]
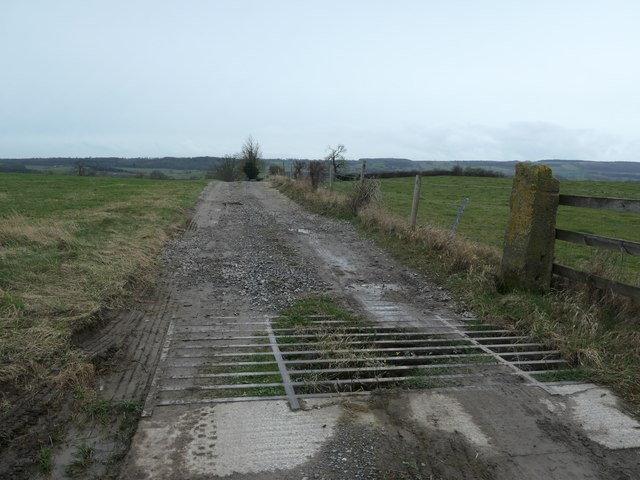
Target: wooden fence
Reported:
[(527, 261), (614, 244)]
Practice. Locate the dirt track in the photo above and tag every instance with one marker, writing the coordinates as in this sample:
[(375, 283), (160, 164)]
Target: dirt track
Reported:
[(247, 253)]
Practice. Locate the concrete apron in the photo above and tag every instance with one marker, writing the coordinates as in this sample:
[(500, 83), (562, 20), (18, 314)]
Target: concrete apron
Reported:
[(266, 436)]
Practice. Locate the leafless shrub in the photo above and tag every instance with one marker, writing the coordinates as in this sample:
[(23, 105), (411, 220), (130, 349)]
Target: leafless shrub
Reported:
[(316, 171), (363, 194), (298, 167), (227, 171), (276, 170)]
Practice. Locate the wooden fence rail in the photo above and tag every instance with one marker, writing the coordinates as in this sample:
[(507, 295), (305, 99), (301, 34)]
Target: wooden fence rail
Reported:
[(615, 244), (618, 204), (602, 283)]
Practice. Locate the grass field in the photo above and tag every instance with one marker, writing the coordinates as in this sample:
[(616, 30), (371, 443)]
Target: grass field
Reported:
[(485, 217), (69, 246)]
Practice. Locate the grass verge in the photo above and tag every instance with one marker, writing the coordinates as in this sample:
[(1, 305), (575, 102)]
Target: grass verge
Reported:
[(596, 331)]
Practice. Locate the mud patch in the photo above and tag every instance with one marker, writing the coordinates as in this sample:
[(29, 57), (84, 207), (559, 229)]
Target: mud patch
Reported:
[(446, 414), (377, 439)]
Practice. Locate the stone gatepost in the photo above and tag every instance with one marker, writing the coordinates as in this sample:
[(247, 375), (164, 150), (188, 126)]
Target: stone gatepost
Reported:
[(530, 235)]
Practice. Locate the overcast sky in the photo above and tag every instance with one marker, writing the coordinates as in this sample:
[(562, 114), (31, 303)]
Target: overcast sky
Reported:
[(437, 80)]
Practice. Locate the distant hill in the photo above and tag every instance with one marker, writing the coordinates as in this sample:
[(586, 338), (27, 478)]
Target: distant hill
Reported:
[(562, 169), (592, 170), (175, 163), (375, 165)]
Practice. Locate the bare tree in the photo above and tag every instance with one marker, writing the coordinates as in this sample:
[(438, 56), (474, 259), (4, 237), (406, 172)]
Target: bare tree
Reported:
[(251, 158), (316, 170), (336, 158)]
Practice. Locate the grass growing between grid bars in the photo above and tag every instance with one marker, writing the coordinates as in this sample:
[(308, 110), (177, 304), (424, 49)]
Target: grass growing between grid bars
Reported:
[(242, 369), (333, 355), (252, 369), (69, 247), (302, 318), (243, 364), (595, 331), (303, 312), (266, 391)]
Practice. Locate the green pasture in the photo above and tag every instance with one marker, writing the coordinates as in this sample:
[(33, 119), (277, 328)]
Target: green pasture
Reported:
[(484, 218), (57, 197), (69, 246)]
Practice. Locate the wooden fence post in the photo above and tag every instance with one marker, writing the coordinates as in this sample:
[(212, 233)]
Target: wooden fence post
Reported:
[(416, 201), (362, 169), (529, 238)]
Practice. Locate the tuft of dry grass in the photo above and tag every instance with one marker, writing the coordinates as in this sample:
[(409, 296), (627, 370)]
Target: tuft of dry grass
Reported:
[(16, 229), (457, 253), (320, 200)]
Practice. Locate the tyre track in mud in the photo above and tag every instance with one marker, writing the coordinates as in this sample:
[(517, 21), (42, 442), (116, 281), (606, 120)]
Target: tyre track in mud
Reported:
[(129, 346)]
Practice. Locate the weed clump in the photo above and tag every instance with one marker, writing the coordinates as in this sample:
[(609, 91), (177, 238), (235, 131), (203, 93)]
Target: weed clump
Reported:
[(363, 194)]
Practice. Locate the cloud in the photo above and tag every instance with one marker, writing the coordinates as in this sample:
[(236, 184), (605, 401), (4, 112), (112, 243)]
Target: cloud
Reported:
[(515, 141)]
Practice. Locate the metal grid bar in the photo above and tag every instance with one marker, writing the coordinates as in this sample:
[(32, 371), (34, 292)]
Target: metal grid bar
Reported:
[(342, 335), (288, 387), (389, 368), (355, 381)]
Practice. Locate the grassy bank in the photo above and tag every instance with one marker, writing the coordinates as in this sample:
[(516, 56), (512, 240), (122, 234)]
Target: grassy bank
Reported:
[(69, 247), (594, 330)]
